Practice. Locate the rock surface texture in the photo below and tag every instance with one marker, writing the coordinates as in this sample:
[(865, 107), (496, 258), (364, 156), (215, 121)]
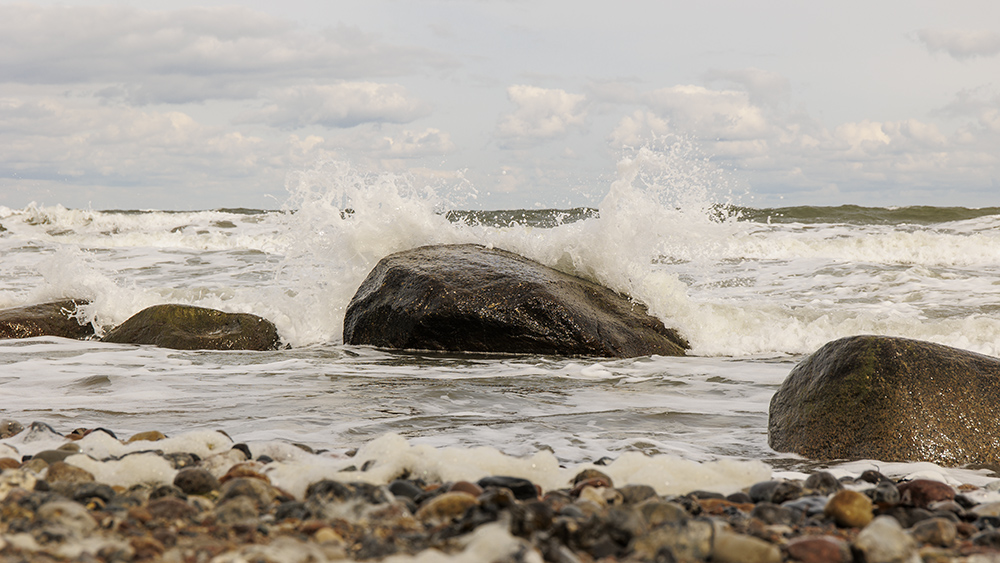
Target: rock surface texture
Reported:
[(890, 399), (471, 298), (184, 327), (44, 319)]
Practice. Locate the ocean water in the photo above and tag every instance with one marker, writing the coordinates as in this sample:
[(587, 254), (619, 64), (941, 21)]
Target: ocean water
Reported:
[(754, 291)]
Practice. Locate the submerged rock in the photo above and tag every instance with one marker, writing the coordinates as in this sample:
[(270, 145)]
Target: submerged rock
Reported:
[(184, 327), (890, 399), (45, 319), (471, 298)]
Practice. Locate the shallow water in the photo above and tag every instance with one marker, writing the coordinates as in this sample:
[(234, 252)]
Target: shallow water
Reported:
[(753, 290)]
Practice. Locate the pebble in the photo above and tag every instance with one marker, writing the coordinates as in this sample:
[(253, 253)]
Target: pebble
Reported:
[(149, 436), (62, 471), (819, 549), (849, 509), (940, 532), (922, 492), (196, 481), (738, 548), (885, 541), (446, 507)]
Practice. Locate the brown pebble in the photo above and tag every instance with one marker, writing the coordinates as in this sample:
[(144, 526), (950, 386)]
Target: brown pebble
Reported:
[(595, 482), (819, 549), (443, 508), (588, 474), (148, 436), (466, 487), (62, 471), (720, 506), (849, 509), (9, 463), (245, 470), (10, 428), (146, 547), (922, 492)]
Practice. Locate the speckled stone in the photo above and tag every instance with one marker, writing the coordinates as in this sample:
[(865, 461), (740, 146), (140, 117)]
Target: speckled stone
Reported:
[(62, 471), (849, 509)]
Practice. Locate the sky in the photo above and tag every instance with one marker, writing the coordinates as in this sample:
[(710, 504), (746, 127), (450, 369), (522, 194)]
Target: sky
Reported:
[(521, 103)]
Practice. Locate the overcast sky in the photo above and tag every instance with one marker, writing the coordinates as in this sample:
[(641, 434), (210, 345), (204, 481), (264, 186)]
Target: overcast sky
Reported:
[(197, 105)]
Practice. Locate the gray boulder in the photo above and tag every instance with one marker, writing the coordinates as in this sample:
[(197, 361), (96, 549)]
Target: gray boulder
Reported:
[(184, 327), (890, 399), (45, 319), (471, 298)]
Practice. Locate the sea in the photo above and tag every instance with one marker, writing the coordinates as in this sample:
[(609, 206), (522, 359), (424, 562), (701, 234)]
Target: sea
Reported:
[(754, 290)]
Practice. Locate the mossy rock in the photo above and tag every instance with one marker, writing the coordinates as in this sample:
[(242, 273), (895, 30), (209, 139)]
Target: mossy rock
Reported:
[(44, 319), (890, 399), (467, 297), (184, 327)]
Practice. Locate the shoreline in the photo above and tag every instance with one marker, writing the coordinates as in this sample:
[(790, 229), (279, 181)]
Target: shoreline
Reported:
[(90, 496)]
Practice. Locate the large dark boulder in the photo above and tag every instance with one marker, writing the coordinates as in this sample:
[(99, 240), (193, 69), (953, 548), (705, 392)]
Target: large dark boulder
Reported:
[(890, 399), (472, 298), (44, 319), (184, 327)]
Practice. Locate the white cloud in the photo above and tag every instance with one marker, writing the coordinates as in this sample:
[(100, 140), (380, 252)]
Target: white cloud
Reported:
[(541, 114), (959, 44), (187, 55), (406, 144), (725, 114), (346, 104), (764, 88)]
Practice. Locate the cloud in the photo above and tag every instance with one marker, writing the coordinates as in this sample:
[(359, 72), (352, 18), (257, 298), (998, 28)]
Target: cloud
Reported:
[(541, 114), (727, 114), (346, 104), (961, 45), (407, 144), (763, 87), (187, 55)]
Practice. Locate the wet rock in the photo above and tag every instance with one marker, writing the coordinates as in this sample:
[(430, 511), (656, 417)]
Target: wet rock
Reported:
[(148, 436), (16, 479), (738, 548), (935, 531), (237, 510), (823, 483), (893, 399), (53, 456), (884, 541), (170, 509), (472, 298), (772, 514), (196, 481), (690, 540), (62, 471), (762, 491), (884, 495), (523, 489), (65, 518), (45, 319), (922, 492), (592, 475), (466, 487), (10, 428), (634, 494), (260, 493), (819, 549), (184, 327), (850, 509), (656, 512), (445, 508)]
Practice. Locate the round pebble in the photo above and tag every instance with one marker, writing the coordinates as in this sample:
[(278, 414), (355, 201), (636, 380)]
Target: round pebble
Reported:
[(849, 509)]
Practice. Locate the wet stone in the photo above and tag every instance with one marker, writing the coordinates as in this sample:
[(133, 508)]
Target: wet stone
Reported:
[(62, 471), (148, 436), (922, 492), (819, 549), (935, 531), (196, 481), (823, 482), (523, 489), (690, 540), (885, 541), (634, 494), (237, 510), (590, 474), (445, 507), (52, 456), (738, 548), (849, 509), (884, 495), (10, 428), (772, 514)]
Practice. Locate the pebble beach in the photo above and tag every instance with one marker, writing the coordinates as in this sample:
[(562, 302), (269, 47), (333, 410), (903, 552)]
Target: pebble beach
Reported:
[(90, 495)]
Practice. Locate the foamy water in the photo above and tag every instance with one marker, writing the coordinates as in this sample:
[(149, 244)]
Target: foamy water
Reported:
[(751, 296)]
